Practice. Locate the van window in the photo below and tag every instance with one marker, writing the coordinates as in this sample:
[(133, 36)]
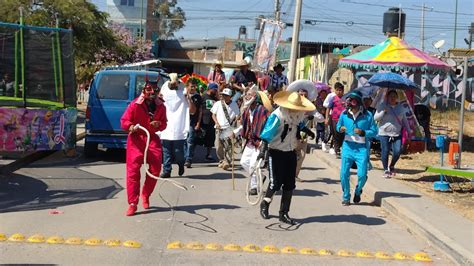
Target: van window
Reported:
[(141, 81), (114, 87)]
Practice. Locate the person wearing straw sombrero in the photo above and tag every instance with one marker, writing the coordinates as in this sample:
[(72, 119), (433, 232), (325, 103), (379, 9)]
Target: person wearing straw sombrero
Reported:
[(357, 125), (216, 75), (256, 109), (279, 138)]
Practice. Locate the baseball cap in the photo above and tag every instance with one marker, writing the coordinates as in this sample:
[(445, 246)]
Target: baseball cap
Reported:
[(227, 92)]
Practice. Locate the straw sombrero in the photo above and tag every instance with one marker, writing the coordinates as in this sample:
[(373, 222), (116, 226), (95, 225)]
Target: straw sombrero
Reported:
[(265, 101), (305, 85), (293, 101)]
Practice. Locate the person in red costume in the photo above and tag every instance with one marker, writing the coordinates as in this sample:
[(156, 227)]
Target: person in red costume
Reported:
[(149, 111)]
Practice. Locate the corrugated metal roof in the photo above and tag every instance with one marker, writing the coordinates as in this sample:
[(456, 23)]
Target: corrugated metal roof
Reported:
[(335, 43), (192, 43)]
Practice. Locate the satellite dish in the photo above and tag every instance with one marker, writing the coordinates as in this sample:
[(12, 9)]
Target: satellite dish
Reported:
[(451, 62), (439, 44)]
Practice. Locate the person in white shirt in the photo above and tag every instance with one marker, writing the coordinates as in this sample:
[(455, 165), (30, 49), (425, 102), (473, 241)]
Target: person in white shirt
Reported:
[(224, 120), (177, 102)]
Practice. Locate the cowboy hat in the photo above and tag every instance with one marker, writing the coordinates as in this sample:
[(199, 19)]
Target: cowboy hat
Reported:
[(243, 63), (265, 101), (303, 84), (279, 66), (293, 101), (217, 62)]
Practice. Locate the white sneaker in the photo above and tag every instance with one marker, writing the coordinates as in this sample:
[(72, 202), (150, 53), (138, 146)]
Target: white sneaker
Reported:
[(332, 151), (323, 147)]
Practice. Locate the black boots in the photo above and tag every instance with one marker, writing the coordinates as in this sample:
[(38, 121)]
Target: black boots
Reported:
[(285, 207), (264, 205)]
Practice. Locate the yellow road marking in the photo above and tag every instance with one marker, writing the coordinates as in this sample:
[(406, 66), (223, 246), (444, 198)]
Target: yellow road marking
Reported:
[(16, 238)]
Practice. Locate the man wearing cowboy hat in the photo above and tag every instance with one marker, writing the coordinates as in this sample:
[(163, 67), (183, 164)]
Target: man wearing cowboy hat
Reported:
[(278, 79), (243, 77), (279, 136), (357, 125), (256, 109)]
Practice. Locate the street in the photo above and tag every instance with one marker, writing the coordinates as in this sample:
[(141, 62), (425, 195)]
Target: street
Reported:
[(90, 202)]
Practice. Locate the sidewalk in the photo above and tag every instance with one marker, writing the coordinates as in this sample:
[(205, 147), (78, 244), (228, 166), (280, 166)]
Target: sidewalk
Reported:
[(441, 226)]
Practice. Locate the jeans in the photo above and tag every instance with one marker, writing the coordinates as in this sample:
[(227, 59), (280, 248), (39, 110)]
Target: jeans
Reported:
[(190, 145), (173, 150), (393, 143)]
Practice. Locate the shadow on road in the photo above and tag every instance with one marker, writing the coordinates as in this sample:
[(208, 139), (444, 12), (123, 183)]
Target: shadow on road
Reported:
[(309, 193), (221, 175), (353, 218), (25, 193), (379, 195), (325, 180)]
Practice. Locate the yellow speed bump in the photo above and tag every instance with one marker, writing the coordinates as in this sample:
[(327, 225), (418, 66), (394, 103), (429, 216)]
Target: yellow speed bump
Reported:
[(73, 241), (232, 247), (93, 242), (421, 256), (308, 251), (402, 256), (214, 247), (36, 239), (195, 246), (16, 238), (112, 243), (175, 245), (383, 255), (3, 237), (289, 250), (345, 253), (55, 240), (364, 254), (326, 252), (270, 249), (252, 248), (131, 244)]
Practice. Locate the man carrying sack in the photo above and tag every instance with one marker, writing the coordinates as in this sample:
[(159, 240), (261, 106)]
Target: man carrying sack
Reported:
[(279, 137)]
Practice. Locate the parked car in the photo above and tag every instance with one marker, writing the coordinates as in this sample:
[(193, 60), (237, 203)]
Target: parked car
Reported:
[(110, 93)]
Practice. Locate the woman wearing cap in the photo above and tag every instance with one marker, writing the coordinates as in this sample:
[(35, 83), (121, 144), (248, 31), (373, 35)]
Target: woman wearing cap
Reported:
[(279, 136), (356, 124)]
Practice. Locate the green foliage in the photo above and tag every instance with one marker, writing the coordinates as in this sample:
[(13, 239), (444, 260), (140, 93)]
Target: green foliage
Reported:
[(171, 17)]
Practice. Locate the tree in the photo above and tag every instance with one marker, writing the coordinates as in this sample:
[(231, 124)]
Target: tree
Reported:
[(89, 25), (171, 17)]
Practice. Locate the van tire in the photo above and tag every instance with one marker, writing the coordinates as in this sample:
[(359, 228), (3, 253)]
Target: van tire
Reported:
[(90, 149)]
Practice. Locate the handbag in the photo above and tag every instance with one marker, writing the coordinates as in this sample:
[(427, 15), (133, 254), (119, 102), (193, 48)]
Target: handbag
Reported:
[(404, 131)]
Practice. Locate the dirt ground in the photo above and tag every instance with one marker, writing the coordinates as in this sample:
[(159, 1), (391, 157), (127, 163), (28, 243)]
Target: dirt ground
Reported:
[(411, 167)]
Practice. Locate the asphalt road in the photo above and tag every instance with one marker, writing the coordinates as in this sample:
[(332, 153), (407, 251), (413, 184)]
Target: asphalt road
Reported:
[(89, 200)]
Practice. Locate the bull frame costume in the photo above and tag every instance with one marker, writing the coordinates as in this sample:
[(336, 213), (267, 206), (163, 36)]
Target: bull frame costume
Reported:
[(150, 113), (279, 137)]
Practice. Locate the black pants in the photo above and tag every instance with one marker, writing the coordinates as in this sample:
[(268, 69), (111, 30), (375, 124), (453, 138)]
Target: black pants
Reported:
[(282, 169), (338, 138)]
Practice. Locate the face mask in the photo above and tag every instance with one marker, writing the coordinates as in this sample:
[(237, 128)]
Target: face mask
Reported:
[(351, 103)]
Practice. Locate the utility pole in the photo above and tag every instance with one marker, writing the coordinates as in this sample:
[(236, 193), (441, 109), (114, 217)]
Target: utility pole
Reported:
[(455, 23), (277, 10), (141, 23), (294, 41), (423, 27), (471, 32)]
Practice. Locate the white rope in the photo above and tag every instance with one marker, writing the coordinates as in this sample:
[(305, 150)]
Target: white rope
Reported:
[(145, 154), (258, 170)]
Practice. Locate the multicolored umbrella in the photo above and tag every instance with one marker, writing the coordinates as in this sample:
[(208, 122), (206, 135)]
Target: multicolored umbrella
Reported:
[(393, 54)]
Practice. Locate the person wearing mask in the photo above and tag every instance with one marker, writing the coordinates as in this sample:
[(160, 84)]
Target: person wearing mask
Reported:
[(150, 113), (207, 123), (178, 102), (255, 112), (334, 107), (194, 120), (224, 114), (391, 119), (279, 138), (355, 124)]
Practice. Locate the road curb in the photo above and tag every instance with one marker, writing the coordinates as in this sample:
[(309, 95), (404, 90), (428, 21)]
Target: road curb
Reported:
[(411, 220)]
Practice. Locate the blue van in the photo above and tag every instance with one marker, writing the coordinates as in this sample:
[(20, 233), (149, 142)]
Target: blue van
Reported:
[(109, 95)]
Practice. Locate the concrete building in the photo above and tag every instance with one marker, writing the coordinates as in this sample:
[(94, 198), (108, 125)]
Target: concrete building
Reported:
[(135, 15)]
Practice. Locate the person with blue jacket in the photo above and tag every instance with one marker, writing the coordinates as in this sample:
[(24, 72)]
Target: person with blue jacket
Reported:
[(356, 124)]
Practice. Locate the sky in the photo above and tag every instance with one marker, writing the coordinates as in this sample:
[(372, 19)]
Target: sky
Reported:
[(344, 21)]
